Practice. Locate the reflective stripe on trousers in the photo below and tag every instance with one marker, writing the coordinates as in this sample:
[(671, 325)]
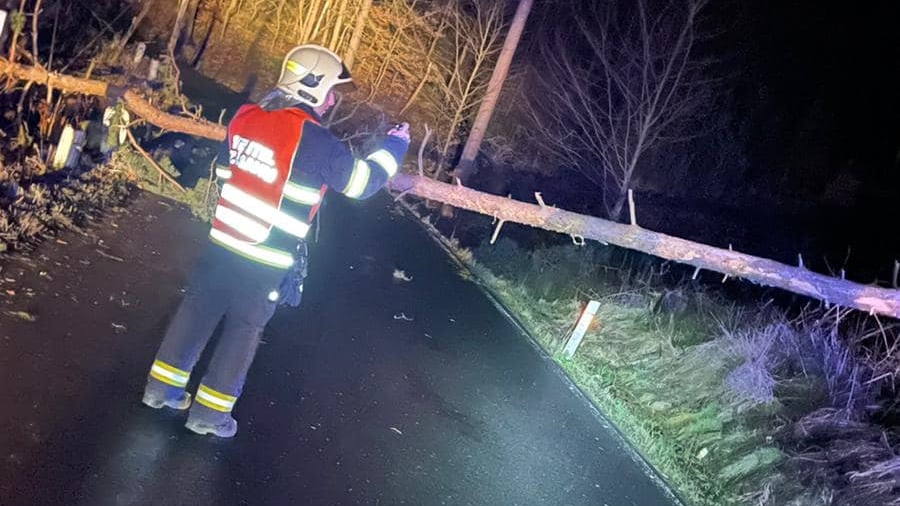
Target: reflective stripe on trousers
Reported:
[(214, 399), (169, 374)]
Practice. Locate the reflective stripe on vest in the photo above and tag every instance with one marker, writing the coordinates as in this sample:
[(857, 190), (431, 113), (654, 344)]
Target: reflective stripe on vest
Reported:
[(261, 254), (255, 231), (265, 212), (302, 194), (223, 172), (262, 151)]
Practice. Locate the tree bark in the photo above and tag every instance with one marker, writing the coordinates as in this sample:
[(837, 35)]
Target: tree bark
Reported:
[(338, 27), (872, 299), (495, 85), (362, 19)]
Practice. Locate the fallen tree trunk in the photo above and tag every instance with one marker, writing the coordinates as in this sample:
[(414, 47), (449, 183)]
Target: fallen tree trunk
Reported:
[(872, 299)]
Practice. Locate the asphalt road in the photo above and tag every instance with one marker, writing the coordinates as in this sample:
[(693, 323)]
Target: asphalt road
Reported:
[(374, 392)]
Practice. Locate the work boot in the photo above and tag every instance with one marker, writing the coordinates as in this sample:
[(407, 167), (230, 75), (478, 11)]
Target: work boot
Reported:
[(224, 429), (158, 401)]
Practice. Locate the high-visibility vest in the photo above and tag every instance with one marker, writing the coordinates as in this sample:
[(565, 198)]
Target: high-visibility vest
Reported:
[(250, 218)]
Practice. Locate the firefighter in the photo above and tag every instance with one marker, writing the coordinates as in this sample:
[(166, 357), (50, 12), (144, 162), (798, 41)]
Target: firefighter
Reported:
[(276, 165)]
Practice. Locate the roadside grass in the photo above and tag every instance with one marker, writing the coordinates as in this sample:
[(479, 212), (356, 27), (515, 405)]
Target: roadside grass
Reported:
[(620, 365), (734, 404)]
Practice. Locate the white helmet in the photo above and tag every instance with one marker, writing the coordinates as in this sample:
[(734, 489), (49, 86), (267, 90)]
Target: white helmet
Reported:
[(309, 72)]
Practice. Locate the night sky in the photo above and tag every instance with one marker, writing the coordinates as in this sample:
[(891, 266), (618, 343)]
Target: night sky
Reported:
[(832, 65), (807, 148), (816, 108)]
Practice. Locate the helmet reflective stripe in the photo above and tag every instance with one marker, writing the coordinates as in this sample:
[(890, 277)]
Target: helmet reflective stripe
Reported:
[(358, 180), (302, 194), (261, 254), (223, 172), (264, 212), (242, 224), (387, 161), (295, 67), (169, 375), (215, 400)]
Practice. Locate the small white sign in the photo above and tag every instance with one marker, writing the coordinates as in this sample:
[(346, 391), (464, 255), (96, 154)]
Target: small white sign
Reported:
[(3, 16), (139, 52), (584, 322)]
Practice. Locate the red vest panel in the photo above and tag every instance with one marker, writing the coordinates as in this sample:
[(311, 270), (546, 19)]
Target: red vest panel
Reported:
[(262, 146)]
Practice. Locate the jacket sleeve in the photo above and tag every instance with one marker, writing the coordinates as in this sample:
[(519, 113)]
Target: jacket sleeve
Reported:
[(357, 178), (223, 163)]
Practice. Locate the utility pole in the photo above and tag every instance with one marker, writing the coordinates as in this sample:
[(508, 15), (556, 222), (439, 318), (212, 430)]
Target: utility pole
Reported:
[(466, 164)]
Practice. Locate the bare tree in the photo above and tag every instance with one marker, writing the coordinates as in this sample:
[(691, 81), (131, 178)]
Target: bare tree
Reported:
[(228, 8), (404, 21), (622, 78), (135, 23), (437, 56), (359, 26)]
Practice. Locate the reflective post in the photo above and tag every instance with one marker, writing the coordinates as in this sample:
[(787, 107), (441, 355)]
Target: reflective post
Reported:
[(584, 322)]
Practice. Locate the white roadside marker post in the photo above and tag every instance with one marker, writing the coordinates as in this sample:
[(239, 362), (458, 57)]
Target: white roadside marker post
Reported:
[(3, 16), (584, 322), (139, 53), (153, 72)]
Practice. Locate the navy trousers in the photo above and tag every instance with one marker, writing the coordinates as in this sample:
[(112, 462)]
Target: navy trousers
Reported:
[(223, 285)]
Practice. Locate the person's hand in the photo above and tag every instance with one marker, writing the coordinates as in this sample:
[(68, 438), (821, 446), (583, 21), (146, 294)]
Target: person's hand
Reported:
[(400, 131)]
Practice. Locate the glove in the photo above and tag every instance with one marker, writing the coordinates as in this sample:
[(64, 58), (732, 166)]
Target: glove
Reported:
[(400, 131)]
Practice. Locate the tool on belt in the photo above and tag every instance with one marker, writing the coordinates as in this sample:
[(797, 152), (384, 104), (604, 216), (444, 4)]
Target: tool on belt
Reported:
[(290, 292)]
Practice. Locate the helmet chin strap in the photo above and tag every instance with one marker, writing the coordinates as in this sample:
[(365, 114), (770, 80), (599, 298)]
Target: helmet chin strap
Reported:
[(280, 99), (329, 103)]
